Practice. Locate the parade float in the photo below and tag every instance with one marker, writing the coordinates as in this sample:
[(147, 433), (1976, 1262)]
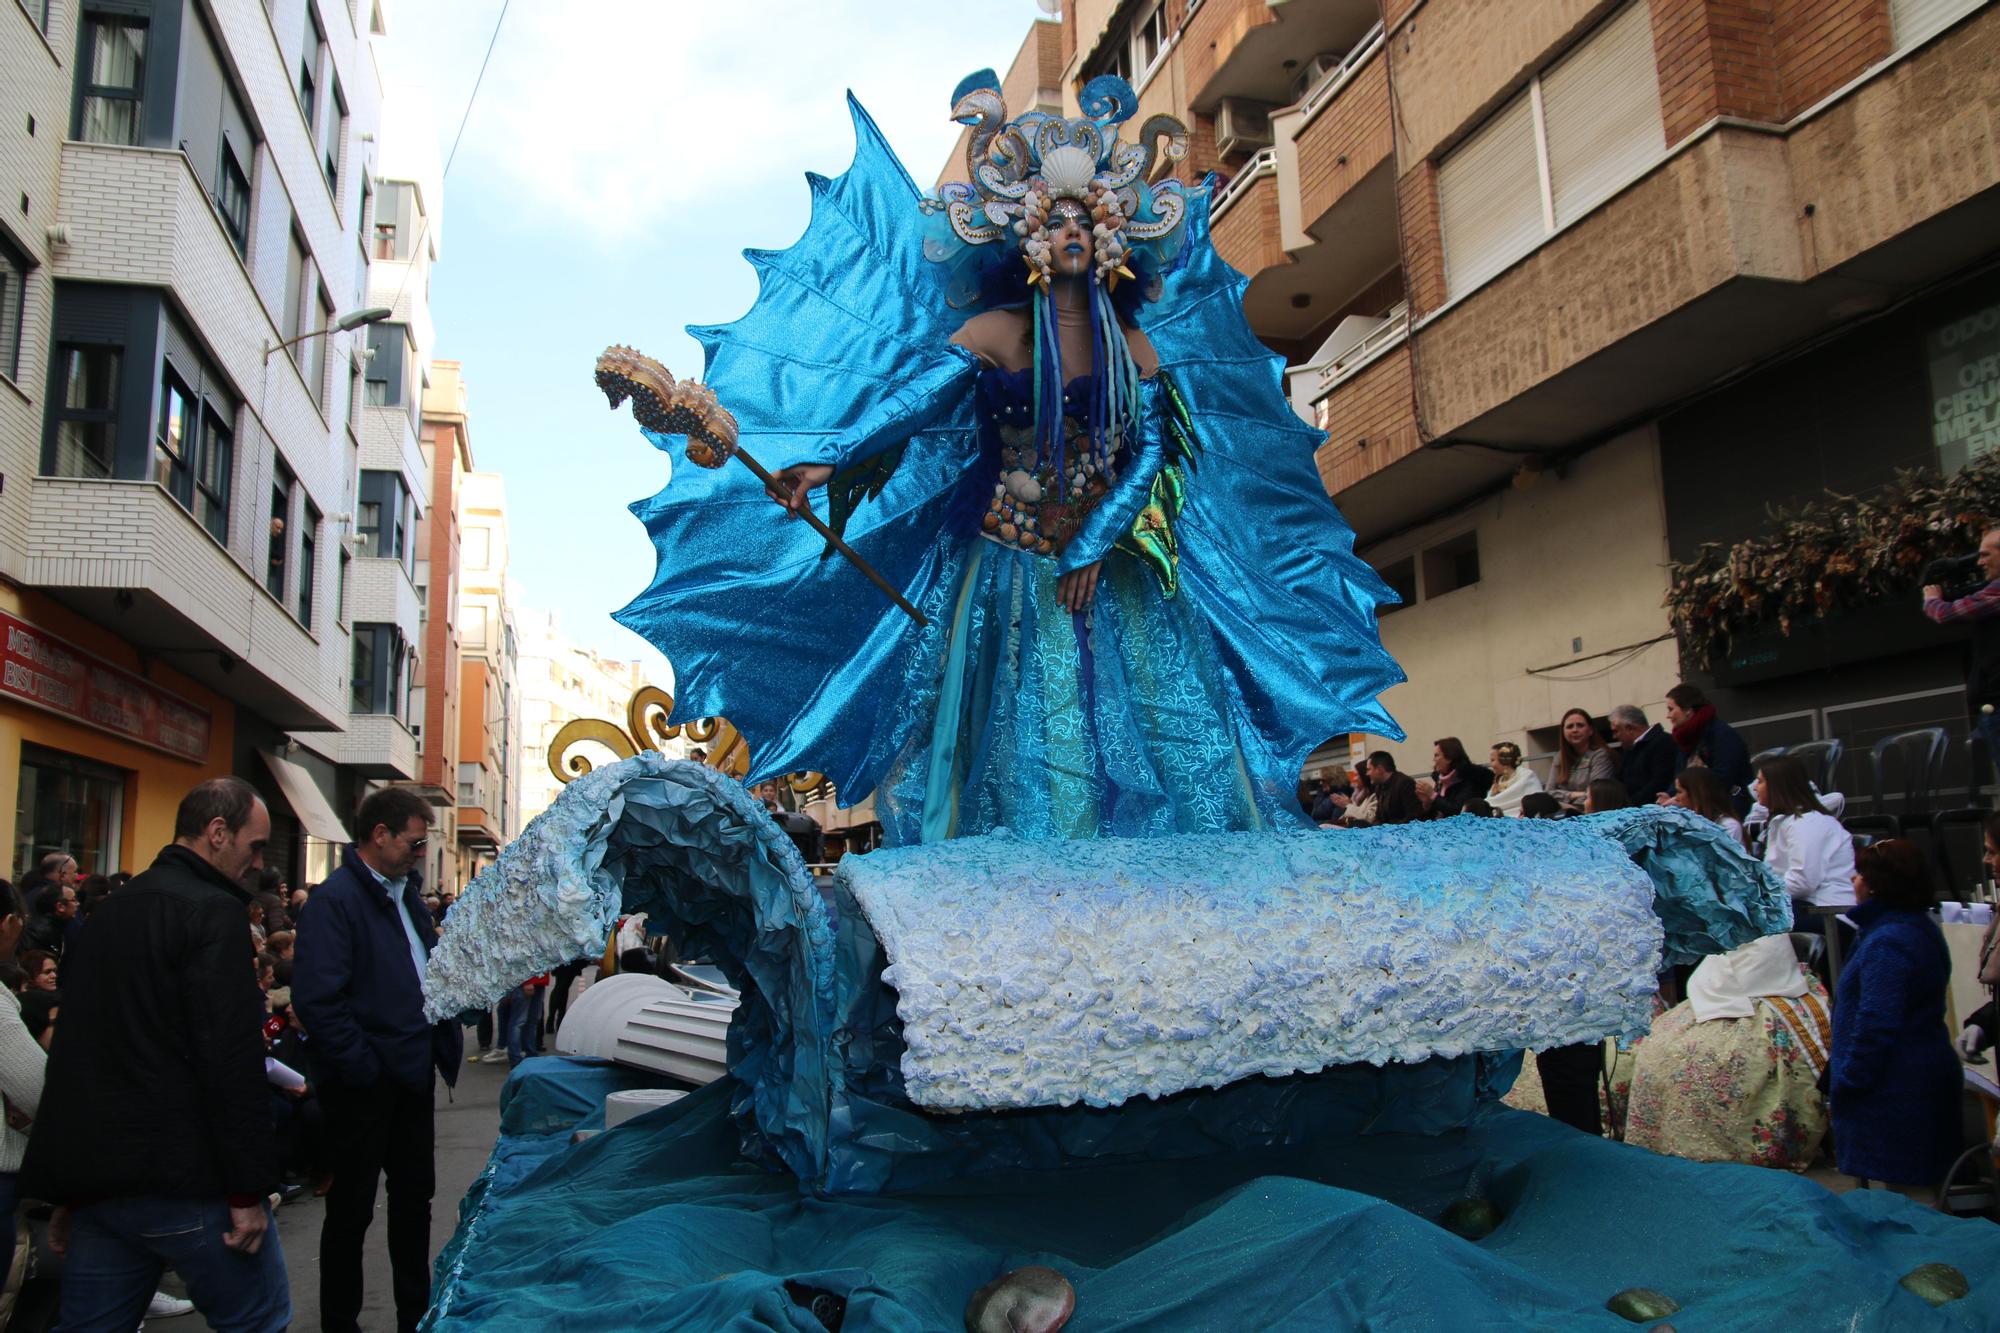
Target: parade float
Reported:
[(1106, 1037)]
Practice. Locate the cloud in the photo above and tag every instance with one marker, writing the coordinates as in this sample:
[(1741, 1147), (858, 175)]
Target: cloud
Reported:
[(611, 120)]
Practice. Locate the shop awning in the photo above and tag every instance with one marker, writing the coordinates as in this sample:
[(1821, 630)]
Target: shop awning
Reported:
[(309, 805)]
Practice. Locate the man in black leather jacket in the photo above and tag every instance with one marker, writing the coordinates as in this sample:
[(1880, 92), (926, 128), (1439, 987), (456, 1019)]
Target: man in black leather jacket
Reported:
[(154, 1132)]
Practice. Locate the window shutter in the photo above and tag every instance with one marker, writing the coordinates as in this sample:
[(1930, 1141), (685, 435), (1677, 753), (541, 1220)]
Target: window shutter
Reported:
[(1601, 105), (1913, 21), (1490, 198)]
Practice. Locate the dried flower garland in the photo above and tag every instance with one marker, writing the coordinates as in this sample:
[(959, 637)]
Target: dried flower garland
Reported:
[(1829, 556)]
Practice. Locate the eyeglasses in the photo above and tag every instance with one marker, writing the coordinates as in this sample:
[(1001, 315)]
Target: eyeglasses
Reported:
[(418, 844)]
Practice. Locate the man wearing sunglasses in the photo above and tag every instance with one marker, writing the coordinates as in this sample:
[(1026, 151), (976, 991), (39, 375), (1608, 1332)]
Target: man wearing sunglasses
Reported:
[(357, 987)]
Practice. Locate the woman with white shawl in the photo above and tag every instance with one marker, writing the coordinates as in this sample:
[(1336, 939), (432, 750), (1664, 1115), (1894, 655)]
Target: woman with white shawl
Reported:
[(1731, 1074)]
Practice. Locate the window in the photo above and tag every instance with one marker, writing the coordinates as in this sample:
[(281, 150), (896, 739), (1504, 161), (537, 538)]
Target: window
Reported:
[(332, 135), (468, 783), (399, 220), (1914, 21), (381, 680), (1135, 51), (308, 563), (282, 486), (1578, 133), (385, 516), (87, 417), (174, 440), (212, 472), (313, 364), (473, 631), (232, 198), (114, 51), (478, 548), (43, 11), (388, 365), (1401, 576), (67, 804), (1451, 565), (13, 305), (312, 59), (295, 294)]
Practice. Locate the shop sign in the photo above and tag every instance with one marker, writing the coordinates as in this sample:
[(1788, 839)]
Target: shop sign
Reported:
[(1965, 388), (39, 669)]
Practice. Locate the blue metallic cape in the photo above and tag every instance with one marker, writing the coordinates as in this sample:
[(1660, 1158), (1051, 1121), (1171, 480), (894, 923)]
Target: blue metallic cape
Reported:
[(845, 356)]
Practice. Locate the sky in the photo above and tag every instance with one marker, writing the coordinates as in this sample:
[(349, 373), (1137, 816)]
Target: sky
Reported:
[(617, 161)]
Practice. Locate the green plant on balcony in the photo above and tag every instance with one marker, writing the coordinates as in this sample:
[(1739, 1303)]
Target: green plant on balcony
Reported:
[(1829, 556)]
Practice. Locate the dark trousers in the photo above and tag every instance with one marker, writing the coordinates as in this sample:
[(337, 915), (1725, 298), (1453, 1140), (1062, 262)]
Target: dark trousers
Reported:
[(376, 1133), (1570, 1076)]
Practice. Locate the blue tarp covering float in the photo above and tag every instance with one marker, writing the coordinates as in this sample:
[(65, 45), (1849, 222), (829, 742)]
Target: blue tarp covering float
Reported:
[(909, 1114)]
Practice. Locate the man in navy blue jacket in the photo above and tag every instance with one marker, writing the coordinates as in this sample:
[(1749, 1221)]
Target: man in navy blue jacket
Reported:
[(357, 987)]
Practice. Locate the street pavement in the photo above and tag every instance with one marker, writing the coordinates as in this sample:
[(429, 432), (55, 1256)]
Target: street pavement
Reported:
[(467, 1126)]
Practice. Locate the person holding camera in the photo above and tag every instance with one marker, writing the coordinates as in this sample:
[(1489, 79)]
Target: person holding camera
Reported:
[(1975, 601)]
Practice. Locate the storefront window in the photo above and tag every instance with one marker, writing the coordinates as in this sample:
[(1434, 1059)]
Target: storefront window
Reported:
[(68, 804), (1964, 358)]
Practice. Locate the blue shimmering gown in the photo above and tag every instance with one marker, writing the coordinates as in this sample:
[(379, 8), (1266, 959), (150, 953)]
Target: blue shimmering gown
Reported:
[(1159, 711)]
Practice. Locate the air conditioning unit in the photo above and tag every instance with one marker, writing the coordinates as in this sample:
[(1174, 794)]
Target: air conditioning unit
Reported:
[(1242, 126), (1312, 72)]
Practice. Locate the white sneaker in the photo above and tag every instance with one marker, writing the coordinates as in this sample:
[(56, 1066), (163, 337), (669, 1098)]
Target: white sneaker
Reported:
[(166, 1307)]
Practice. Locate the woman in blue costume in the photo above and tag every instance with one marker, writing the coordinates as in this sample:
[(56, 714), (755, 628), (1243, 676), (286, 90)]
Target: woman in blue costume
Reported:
[(1038, 410)]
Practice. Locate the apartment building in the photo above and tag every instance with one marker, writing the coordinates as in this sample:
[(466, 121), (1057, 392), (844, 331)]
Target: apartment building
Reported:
[(560, 682), (1576, 286), (183, 267), (488, 794), (446, 447)]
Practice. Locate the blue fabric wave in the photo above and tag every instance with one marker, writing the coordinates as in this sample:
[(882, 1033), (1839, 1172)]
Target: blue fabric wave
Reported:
[(1710, 894)]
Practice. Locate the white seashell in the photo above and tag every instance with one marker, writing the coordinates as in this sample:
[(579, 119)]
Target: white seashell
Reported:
[(1068, 169), (1023, 487)]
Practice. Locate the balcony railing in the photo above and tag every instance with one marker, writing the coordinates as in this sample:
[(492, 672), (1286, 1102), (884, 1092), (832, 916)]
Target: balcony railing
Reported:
[(1263, 163), (1372, 344), (1322, 94)]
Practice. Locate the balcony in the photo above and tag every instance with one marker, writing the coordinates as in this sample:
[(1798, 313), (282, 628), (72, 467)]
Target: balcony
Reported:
[(1741, 244), (1261, 51), (379, 591), (126, 555), (1243, 217), (1355, 344), (1332, 141), (1370, 420), (379, 746)]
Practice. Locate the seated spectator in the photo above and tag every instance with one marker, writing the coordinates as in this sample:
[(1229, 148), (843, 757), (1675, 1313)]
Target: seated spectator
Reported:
[(1699, 790), (1480, 809), (1806, 848), (1895, 1081), (1581, 759), (1396, 798), (1648, 756), (1732, 1074), (1359, 809), (1427, 797), (1984, 1025), (38, 970), (1324, 810), (1511, 781), (1707, 741), (1458, 779), (1540, 805), (1605, 794)]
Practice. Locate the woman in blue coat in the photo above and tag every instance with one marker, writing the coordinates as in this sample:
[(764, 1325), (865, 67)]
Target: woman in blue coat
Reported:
[(1895, 1081)]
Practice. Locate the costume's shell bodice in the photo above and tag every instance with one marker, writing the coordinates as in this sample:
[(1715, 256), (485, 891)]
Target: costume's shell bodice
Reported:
[(1042, 495)]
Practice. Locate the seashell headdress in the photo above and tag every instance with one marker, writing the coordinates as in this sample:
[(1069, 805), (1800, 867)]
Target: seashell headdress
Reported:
[(1019, 169)]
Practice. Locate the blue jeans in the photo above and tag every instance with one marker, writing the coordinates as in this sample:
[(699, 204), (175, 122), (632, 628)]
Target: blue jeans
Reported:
[(516, 1012), (119, 1247)]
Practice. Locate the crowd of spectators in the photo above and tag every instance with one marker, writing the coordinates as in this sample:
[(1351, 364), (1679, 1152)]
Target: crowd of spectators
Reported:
[(1752, 1058)]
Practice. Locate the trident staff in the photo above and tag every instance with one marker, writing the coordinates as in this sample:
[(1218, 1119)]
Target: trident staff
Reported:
[(668, 406)]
